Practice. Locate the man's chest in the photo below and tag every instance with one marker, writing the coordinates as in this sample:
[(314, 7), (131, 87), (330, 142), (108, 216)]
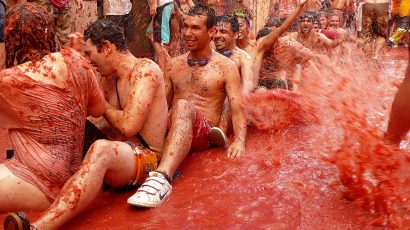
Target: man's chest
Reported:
[(116, 94), (200, 81)]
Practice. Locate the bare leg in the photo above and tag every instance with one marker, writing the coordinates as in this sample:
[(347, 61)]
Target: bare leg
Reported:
[(179, 139), (399, 121), (17, 194), (106, 161), (379, 45), (225, 124)]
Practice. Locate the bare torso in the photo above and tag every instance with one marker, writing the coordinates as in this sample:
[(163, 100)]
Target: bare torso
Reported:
[(249, 47), (244, 63), (313, 41), (154, 127), (203, 86)]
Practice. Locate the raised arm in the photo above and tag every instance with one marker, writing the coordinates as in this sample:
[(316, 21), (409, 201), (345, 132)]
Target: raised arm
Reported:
[(190, 3), (130, 120), (270, 39), (247, 5), (233, 89)]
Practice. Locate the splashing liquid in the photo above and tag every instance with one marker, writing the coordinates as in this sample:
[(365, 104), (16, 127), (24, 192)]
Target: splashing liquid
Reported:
[(351, 103), (306, 176)]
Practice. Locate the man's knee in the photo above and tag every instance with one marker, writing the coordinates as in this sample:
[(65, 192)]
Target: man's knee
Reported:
[(101, 149), (184, 107)]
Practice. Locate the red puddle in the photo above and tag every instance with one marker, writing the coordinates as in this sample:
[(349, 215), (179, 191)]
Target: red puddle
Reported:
[(283, 182)]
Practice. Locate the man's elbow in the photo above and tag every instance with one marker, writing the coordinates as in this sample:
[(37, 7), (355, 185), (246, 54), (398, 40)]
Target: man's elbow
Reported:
[(129, 131), (97, 110)]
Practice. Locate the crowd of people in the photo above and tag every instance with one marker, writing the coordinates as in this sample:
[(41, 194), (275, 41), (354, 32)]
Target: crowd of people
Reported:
[(153, 113)]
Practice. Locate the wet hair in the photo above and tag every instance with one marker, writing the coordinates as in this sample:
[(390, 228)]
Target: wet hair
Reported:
[(241, 14), (263, 32), (273, 22), (306, 15), (321, 13), (203, 9), (233, 21), (28, 27), (273, 83), (106, 30), (333, 14)]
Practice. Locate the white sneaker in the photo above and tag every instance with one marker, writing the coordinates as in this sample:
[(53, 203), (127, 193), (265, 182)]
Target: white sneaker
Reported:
[(153, 192)]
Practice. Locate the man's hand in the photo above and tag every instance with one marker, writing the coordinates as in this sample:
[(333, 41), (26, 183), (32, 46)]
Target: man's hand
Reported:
[(152, 11), (302, 2), (237, 149), (80, 4)]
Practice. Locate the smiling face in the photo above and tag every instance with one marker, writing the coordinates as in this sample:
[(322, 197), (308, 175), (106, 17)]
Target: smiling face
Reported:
[(323, 21), (243, 29), (224, 37), (316, 26), (195, 33), (305, 25), (334, 22)]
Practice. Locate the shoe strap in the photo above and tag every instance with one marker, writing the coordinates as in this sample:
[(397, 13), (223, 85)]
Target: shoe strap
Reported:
[(164, 175)]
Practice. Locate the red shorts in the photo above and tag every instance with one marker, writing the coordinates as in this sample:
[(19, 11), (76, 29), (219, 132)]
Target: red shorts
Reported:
[(200, 132)]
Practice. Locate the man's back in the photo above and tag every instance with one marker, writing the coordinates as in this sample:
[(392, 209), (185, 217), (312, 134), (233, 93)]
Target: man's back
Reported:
[(46, 106)]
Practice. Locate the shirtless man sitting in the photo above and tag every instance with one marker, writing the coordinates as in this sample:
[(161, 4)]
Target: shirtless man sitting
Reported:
[(197, 84), (136, 110), (45, 100), (227, 30)]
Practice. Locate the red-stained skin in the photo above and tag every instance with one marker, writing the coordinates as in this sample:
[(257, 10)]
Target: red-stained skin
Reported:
[(289, 177)]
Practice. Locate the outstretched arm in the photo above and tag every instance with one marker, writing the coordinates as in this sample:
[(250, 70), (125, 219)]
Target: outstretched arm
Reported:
[(270, 39), (247, 5), (233, 89)]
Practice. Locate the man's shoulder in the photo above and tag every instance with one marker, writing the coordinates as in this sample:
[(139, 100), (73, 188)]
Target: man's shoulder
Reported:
[(243, 54), (220, 60), (180, 58), (177, 61), (146, 64)]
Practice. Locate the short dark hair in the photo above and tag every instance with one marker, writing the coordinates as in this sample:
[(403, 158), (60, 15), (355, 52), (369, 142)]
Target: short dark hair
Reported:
[(106, 30), (241, 14), (204, 10), (306, 15), (273, 22), (324, 13), (29, 27), (233, 21), (263, 32), (333, 14)]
